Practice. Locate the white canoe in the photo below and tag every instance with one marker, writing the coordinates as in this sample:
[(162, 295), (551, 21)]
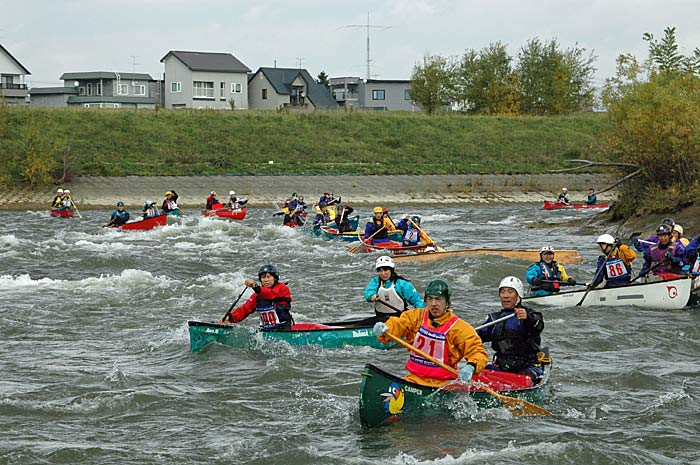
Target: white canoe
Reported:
[(670, 295)]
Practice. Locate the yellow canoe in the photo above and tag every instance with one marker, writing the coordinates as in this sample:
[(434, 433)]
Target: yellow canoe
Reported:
[(565, 257)]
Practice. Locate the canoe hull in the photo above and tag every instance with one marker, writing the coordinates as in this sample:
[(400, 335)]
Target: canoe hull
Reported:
[(226, 213), (61, 213), (673, 294), (575, 206), (386, 398), (329, 233), (335, 337), (532, 255), (145, 225)]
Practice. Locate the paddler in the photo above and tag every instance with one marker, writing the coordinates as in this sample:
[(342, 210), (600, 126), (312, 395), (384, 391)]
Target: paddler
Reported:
[(515, 341), (378, 226), (617, 260), (546, 275), (119, 216), (271, 299), (57, 201), (391, 293), (439, 331), (211, 200)]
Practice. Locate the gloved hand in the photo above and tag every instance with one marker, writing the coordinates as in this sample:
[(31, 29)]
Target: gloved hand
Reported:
[(635, 240), (466, 373), (686, 268), (537, 281), (668, 255), (571, 281), (380, 328)]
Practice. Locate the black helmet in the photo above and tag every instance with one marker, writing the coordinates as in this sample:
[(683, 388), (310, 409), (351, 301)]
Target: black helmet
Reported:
[(669, 222), (663, 229), (120, 204), (272, 269), (438, 288), (322, 204)]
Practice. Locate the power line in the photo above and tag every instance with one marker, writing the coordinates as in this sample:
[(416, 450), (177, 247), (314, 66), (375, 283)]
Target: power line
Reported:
[(368, 27)]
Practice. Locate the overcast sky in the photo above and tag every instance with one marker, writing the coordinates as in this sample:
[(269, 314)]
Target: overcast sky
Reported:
[(50, 37)]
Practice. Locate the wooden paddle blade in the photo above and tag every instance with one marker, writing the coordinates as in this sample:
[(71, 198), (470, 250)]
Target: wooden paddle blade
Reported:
[(515, 406)]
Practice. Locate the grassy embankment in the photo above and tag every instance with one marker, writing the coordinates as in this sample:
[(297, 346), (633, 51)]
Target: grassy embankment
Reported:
[(191, 142)]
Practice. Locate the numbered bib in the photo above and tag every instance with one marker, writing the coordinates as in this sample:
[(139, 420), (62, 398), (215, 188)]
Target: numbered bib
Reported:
[(615, 269)]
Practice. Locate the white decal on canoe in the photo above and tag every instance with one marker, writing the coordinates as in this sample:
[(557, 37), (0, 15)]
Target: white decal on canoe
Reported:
[(413, 390), (360, 333)]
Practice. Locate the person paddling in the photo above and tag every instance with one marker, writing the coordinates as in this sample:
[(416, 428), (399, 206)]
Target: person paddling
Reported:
[(390, 292), (119, 216), (563, 196), (664, 260), (412, 232), (170, 203), (378, 226), (212, 200), (57, 201), (515, 341), (437, 330), (617, 260), (272, 300), (546, 275), (150, 210), (592, 198), (235, 203)]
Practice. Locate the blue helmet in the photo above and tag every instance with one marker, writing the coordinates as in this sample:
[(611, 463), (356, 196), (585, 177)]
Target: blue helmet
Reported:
[(120, 204), (415, 219)]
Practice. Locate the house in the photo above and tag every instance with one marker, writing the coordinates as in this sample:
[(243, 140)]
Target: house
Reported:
[(13, 90), (205, 80), (373, 94), (273, 88), (99, 89)]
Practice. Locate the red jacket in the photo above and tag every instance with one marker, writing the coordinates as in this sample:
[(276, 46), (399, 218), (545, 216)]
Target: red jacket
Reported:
[(278, 291)]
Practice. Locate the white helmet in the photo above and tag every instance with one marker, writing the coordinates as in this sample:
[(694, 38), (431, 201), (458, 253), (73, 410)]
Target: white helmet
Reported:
[(60, 191), (384, 262), (231, 193), (513, 283), (605, 239), (212, 193), (564, 189), (546, 248), (679, 228), (66, 191)]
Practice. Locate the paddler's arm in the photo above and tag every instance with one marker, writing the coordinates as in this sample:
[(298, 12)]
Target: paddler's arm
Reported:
[(404, 326), (464, 343)]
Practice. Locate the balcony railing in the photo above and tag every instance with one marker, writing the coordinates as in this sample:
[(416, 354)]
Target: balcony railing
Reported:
[(7, 85)]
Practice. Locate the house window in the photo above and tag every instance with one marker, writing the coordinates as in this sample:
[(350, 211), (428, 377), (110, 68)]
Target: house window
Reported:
[(202, 89), (140, 89), (236, 88), (89, 88), (378, 94), (221, 90), (175, 87), (81, 90), (407, 95), (264, 94), (122, 89), (98, 88)]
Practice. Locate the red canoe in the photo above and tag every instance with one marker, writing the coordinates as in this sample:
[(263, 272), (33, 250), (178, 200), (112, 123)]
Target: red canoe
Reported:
[(225, 213), (143, 225), (394, 247), (557, 205), (62, 212)]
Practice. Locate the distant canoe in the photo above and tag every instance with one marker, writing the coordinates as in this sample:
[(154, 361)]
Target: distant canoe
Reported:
[(329, 233), (226, 213), (576, 206), (144, 225), (394, 247), (564, 257), (327, 335), (61, 212)]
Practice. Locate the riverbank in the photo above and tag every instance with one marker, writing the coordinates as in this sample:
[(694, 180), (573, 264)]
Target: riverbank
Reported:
[(96, 192)]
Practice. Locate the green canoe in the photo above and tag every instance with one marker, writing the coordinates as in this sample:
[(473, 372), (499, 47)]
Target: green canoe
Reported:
[(385, 398), (326, 335)]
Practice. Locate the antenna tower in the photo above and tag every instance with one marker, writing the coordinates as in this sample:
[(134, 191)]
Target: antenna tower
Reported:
[(368, 27)]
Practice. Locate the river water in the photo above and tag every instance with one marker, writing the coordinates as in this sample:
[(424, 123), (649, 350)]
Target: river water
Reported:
[(96, 366)]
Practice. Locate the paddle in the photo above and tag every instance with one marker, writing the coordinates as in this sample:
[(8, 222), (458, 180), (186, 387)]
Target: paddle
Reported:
[(226, 315), (516, 406), (75, 207), (653, 267), (600, 270), (491, 323), (563, 283), (432, 242), (387, 304), (111, 222), (355, 248)]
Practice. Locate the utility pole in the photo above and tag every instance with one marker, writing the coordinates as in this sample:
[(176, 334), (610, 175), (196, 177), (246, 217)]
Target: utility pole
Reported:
[(300, 61), (368, 27)]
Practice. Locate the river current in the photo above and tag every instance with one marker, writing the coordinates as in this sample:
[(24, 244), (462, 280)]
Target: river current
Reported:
[(96, 367)]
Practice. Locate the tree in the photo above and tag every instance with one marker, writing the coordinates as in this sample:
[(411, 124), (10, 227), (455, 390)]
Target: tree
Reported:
[(485, 81), (654, 111), (555, 81), (323, 79), (431, 83)]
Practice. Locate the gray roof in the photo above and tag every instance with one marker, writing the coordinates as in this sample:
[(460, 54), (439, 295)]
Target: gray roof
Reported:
[(282, 78), (53, 90), (26, 71), (106, 75), (388, 81), (209, 61), (115, 99)]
